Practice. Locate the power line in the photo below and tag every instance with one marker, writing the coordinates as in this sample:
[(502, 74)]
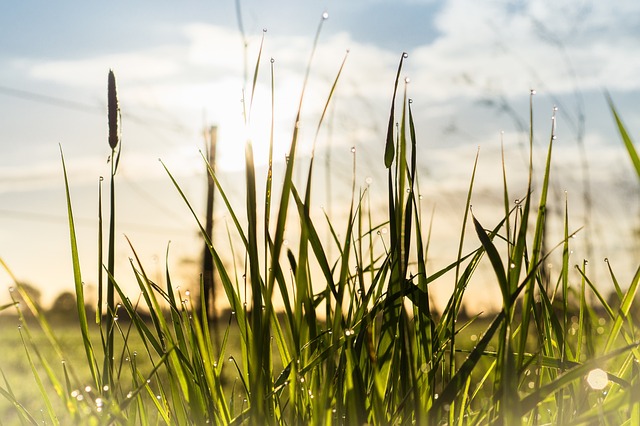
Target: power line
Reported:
[(44, 217), (50, 100), (174, 126)]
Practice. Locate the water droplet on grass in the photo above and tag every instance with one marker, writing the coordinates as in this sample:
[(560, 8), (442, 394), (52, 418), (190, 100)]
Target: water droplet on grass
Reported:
[(325, 16), (533, 92), (353, 149), (405, 55), (407, 80)]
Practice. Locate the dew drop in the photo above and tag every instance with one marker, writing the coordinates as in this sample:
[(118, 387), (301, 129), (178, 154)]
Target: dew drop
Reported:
[(353, 149), (533, 92), (272, 60), (325, 15), (405, 55), (264, 30), (407, 80), (368, 180), (410, 100), (11, 289)]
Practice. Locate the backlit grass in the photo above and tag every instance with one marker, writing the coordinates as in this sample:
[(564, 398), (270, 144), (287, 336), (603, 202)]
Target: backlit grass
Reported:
[(356, 339)]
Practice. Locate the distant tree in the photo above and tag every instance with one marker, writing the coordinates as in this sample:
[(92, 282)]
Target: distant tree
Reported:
[(64, 303)]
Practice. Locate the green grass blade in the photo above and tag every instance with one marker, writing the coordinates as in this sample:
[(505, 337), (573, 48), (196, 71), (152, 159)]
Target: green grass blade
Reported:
[(79, 285), (633, 154)]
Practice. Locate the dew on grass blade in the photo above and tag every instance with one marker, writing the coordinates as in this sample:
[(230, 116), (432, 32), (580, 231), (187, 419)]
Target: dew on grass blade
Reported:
[(325, 15)]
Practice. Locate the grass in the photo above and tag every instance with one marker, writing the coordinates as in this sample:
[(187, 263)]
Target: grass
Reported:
[(358, 342)]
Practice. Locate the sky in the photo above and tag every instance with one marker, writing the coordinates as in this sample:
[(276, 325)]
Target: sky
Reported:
[(181, 68)]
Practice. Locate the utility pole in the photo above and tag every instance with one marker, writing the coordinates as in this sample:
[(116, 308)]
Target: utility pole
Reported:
[(208, 268)]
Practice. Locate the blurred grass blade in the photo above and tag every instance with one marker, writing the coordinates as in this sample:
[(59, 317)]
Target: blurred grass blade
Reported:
[(633, 154)]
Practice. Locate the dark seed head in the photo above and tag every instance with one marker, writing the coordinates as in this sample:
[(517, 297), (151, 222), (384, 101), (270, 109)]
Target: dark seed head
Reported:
[(113, 110)]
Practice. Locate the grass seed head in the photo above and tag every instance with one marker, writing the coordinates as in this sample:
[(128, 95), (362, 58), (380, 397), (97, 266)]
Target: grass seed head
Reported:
[(113, 110)]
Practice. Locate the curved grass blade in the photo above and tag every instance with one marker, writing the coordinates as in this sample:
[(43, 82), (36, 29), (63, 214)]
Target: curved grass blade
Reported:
[(628, 143)]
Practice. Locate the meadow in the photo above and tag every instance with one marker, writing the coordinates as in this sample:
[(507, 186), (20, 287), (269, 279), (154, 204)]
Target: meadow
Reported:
[(356, 339)]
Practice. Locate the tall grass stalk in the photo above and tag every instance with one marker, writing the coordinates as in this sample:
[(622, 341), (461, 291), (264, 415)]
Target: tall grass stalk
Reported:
[(114, 144)]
